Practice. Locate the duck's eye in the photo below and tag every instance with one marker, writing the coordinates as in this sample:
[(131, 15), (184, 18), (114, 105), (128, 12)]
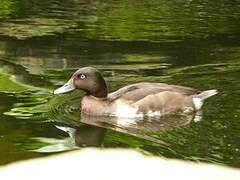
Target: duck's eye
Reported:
[(82, 76)]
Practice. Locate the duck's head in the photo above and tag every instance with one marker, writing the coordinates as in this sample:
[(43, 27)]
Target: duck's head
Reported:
[(87, 79)]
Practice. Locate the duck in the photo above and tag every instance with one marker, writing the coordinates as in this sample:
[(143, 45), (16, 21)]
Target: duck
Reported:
[(135, 100)]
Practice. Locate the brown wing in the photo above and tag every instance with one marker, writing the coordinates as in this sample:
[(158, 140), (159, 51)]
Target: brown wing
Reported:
[(138, 91)]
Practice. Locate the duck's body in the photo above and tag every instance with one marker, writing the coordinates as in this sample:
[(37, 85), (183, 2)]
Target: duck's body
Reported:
[(133, 100)]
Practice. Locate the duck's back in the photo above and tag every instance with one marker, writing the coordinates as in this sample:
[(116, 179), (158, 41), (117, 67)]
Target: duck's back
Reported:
[(136, 92)]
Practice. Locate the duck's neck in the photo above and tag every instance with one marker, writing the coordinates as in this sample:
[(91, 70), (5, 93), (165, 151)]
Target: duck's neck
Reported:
[(100, 91), (100, 94)]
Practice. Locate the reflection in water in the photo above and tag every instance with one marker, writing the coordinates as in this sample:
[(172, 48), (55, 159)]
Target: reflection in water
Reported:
[(85, 135), (92, 132), (140, 127), (21, 75), (120, 20), (146, 124)]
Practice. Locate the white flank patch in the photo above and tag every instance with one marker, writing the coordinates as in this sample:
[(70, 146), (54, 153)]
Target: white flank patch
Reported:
[(197, 103), (153, 113), (125, 110)]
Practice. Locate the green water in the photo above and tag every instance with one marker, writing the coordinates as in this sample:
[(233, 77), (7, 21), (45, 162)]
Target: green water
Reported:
[(192, 43)]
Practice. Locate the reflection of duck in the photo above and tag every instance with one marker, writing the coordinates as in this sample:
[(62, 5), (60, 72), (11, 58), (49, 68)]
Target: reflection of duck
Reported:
[(148, 124), (140, 127), (133, 100), (85, 135), (91, 130)]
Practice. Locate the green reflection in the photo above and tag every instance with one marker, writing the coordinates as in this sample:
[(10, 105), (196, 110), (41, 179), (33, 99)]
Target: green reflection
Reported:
[(6, 8), (155, 20), (10, 86)]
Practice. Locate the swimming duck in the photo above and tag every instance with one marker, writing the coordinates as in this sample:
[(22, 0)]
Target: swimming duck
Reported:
[(133, 100)]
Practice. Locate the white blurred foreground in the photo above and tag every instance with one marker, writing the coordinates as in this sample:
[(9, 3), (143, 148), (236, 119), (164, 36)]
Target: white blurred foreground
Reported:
[(113, 164)]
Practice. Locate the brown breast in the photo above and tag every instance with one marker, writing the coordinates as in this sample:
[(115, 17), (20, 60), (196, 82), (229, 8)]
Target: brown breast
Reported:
[(96, 106)]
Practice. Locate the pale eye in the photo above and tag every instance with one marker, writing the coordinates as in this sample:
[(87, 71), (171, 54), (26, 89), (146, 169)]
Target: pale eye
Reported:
[(82, 76)]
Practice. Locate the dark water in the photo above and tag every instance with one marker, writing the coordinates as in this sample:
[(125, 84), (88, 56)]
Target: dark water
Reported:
[(191, 43)]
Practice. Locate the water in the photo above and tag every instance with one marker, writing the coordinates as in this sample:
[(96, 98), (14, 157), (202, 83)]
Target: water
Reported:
[(191, 43)]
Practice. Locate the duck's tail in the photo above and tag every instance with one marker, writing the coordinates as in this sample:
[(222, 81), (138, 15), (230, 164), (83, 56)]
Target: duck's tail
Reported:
[(206, 94)]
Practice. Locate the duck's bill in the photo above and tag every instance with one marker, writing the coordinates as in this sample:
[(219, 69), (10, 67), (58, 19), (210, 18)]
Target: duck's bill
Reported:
[(65, 88)]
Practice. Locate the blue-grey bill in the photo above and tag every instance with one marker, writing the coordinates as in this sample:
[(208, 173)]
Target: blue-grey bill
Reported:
[(65, 88)]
